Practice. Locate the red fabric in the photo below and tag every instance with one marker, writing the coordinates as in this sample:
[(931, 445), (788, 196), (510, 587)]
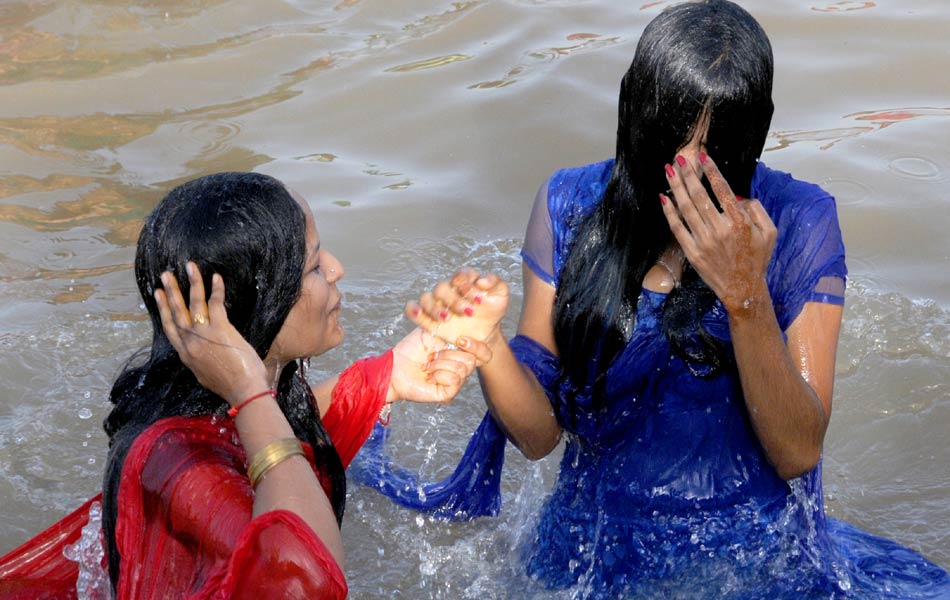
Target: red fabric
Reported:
[(357, 398), (37, 570), (184, 527)]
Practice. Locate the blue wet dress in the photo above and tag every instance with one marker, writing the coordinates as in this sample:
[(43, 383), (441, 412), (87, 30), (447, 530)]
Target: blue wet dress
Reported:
[(666, 492)]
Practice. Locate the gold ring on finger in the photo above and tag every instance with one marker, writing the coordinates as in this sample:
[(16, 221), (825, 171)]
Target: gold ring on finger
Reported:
[(199, 318)]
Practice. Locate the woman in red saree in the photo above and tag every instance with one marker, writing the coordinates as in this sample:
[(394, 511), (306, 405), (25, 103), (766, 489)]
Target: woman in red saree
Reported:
[(223, 480)]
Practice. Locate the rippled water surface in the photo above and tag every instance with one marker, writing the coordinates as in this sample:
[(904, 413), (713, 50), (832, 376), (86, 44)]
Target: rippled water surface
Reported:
[(419, 131)]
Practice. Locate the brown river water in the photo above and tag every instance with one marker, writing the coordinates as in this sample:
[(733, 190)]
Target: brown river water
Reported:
[(419, 130)]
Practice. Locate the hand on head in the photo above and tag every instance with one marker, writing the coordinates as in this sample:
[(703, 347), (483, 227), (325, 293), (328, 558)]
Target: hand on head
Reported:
[(464, 310), (221, 359), (731, 249)]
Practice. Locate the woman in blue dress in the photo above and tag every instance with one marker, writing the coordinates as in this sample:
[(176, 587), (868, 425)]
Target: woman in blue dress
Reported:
[(681, 339)]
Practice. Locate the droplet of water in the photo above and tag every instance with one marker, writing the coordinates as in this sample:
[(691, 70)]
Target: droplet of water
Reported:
[(85, 413)]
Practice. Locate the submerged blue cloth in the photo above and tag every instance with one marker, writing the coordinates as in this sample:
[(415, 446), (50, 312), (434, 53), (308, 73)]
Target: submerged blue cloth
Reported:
[(666, 491)]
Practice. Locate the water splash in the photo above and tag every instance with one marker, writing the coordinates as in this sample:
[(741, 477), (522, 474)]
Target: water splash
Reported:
[(88, 551)]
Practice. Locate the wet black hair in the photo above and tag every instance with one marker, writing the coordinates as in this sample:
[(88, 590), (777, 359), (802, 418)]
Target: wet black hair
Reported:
[(696, 62), (249, 229)]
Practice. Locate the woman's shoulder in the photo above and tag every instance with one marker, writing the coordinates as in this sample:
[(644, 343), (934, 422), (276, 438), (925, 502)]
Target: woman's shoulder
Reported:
[(576, 190), (779, 191), (202, 429), (581, 180), (596, 171), (173, 438), (204, 447), (796, 207)]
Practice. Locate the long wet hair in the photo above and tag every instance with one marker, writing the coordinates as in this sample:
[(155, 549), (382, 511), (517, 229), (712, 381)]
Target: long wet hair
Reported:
[(697, 62), (249, 229)]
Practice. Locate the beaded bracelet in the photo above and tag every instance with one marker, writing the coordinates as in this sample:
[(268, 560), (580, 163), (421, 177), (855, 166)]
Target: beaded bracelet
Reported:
[(270, 456), (234, 410)]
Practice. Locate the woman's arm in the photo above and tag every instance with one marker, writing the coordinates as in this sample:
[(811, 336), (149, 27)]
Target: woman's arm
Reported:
[(515, 398), (226, 364), (183, 479), (787, 387), (512, 392)]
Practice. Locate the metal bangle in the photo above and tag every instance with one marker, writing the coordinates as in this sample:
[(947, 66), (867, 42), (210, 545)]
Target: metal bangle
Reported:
[(270, 456)]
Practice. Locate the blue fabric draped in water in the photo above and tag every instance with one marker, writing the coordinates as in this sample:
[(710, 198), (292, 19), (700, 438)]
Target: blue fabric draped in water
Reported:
[(666, 488), (471, 491), (474, 488)]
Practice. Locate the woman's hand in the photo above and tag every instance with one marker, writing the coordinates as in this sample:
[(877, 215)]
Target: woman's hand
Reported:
[(730, 250), (464, 310), (221, 359), (425, 370)]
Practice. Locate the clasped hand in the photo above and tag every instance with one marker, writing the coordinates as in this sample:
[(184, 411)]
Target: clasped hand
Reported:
[(465, 311), (731, 249)]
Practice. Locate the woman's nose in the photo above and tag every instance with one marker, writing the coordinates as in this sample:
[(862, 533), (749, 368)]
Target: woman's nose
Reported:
[(335, 271)]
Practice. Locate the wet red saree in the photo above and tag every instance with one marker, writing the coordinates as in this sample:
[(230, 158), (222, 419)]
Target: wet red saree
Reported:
[(185, 526)]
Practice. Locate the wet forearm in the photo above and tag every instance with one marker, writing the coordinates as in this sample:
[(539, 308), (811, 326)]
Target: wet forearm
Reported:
[(292, 484), (518, 403), (786, 413)]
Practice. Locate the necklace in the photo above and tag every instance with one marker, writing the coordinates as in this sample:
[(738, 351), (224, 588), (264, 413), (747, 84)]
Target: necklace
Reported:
[(663, 264)]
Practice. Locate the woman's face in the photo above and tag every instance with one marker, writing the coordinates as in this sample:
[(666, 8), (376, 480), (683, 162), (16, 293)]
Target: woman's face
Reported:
[(312, 326)]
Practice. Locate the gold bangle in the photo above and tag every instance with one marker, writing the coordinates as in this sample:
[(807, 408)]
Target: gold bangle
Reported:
[(270, 456)]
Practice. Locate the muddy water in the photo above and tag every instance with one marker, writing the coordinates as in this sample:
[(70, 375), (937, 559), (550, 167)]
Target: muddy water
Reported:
[(419, 132)]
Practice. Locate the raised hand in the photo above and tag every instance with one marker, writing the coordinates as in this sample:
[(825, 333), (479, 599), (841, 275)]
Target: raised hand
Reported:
[(730, 250), (468, 308), (219, 356), (425, 370)]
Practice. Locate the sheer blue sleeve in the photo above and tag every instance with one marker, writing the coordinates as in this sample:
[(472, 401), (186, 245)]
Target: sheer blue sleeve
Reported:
[(809, 259), (538, 249)]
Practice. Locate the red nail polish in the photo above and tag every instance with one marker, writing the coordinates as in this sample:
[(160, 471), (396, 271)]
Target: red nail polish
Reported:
[(739, 198), (469, 311), (669, 171), (662, 199), (477, 299), (444, 315), (415, 312), (702, 158), (680, 160)]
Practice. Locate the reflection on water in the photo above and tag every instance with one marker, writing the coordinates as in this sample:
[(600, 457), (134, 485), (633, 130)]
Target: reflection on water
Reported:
[(829, 137), (538, 58), (846, 5), (419, 131)]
